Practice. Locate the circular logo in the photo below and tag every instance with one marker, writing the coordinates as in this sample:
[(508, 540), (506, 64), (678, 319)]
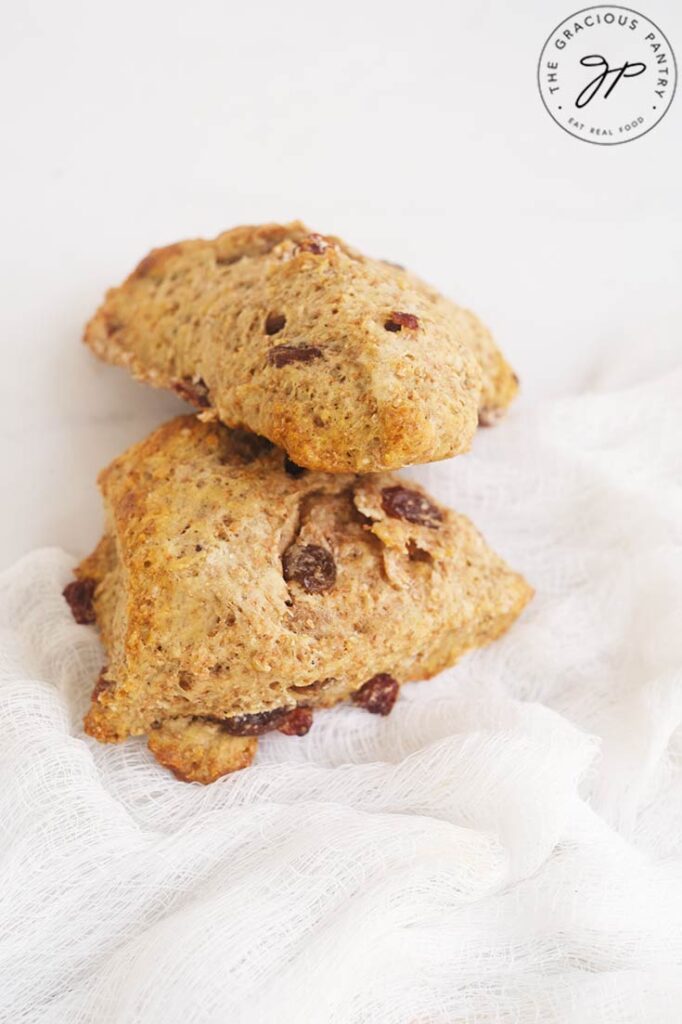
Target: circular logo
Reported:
[(607, 75)]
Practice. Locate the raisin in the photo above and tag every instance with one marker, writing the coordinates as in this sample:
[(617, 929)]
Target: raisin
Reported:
[(312, 566), (313, 243), (402, 503), (275, 323), (291, 469), (282, 355), (417, 554), (397, 321), (78, 595), (102, 685), (378, 694), (185, 681), (193, 391), (228, 260), (297, 722), (254, 725)]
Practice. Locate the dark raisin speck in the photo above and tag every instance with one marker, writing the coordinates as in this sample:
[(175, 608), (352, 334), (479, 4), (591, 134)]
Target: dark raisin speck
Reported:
[(403, 503), (185, 681), (313, 243), (378, 694), (254, 725), (193, 391), (417, 554), (282, 355), (291, 469), (275, 323), (78, 595), (397, 321), (297, 722), (310, 565), (227, 260)]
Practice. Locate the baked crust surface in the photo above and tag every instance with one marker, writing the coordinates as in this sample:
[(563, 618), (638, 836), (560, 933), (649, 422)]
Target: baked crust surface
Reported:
[(232, 588), (347, 363)]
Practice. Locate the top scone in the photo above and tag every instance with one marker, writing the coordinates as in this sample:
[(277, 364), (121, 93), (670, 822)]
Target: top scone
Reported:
[(347, 363)]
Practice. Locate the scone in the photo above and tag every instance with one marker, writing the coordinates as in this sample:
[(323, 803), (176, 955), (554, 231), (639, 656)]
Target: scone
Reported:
[(348, 364), (236, 593)]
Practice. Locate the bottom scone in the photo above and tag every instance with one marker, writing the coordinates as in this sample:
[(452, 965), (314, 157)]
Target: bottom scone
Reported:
[(236, 592)]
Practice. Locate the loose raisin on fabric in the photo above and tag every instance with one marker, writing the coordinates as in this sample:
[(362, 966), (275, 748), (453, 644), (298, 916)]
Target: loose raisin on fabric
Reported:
[(282, 355), (398, 320), (297, 722), (378, 694), (310, 565), (79, 596), (193, 391)]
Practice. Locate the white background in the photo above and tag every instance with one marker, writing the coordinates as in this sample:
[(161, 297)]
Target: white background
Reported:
[(414, 130)]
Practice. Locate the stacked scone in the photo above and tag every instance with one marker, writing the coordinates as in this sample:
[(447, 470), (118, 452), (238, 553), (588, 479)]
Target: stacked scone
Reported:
[(259, 560)]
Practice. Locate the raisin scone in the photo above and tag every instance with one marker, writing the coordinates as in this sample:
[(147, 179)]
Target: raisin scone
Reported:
[(236, 592), (347, 363)]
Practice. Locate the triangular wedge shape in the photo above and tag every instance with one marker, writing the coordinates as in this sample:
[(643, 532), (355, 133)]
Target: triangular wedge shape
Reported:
[(348, 364), (236, 592)]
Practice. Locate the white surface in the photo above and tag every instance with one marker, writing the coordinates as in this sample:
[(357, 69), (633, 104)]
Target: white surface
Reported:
[(414, 130), (475, 857)]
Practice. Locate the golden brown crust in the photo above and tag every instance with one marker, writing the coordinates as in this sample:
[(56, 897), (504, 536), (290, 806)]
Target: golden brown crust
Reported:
[(199, 751), (499, 383), (347, 363), (230, 584)]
